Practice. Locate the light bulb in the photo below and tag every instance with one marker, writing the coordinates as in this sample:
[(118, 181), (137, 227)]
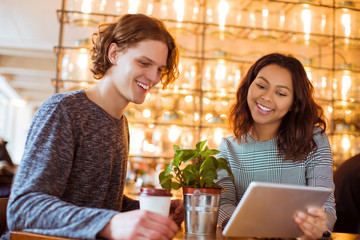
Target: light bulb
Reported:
[(218, 135), (146, 113), (208, 116), (133, 6), (86, 6), (82, 60), (223, 9), (345, 143), (206, 100), (220, 72), (346, 22), (330, 109), (345, 86), (265, 13), (306, 18), (323, 82), (188, 98), (174, 133), (196, 117), (179, 7), (150, 9)]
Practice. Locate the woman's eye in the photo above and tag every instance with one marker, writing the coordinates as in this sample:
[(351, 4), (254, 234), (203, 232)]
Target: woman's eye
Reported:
[(282, 94), (260, 86)]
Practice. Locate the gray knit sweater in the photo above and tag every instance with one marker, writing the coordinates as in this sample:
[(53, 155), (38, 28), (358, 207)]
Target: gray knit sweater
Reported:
[(71, 178)]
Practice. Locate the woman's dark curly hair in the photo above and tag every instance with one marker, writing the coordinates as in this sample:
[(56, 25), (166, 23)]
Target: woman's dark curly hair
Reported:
[(128, 31), (295, 134)]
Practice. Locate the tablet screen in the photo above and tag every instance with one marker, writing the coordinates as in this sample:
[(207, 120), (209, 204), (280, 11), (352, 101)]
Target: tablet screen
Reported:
[(268, 210)]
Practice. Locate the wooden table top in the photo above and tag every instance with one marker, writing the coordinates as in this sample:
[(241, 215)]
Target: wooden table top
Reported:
[(19, 235)]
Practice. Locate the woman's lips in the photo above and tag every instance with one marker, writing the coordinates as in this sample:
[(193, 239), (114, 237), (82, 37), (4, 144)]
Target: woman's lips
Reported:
[(264, 109)]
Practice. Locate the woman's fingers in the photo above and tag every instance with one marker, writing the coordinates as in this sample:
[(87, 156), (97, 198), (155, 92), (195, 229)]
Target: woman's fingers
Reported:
[(313, 223)]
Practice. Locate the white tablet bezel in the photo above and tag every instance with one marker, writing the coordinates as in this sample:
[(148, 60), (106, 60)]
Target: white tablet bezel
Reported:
[(268, 210)]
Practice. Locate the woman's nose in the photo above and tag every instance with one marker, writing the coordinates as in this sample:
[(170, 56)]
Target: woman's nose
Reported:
[(266, 96)]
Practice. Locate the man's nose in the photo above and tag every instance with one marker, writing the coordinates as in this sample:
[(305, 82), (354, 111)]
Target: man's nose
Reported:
[(153, 75)]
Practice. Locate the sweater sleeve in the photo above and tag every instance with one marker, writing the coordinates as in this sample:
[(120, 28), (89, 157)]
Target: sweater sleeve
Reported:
[(129, 204), (319, 173), (35, 203), (228, 201)]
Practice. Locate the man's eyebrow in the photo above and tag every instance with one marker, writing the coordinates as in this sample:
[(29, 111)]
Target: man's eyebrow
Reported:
[(152, 61), (278, 86)]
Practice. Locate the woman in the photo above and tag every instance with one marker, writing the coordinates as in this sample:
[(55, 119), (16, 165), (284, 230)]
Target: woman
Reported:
[(279, 136), (71, 179)]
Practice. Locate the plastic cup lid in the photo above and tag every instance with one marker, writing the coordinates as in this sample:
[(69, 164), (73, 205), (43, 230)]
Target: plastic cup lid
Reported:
[(155, 192)]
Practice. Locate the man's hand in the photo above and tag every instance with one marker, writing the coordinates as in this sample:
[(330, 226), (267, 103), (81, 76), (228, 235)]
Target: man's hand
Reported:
[(139, 224), (177, 211)]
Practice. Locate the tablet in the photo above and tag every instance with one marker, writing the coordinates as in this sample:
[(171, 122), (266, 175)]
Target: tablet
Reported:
[(267, 210)]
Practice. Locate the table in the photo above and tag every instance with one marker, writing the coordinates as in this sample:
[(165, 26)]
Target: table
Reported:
[(18, 235)]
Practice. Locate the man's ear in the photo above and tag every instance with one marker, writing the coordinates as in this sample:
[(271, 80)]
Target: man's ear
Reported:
[(113, 53)]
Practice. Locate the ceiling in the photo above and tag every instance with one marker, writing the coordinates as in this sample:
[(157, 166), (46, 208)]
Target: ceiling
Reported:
[(29, 31)]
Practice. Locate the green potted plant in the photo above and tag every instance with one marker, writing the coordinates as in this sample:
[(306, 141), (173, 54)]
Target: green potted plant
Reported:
[(195, 171)]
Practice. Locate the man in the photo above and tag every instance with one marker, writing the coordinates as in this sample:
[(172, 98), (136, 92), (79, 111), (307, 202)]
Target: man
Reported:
[(71, 179)]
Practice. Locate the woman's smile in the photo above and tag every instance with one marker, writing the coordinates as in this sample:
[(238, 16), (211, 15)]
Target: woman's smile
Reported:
[(264, 109)]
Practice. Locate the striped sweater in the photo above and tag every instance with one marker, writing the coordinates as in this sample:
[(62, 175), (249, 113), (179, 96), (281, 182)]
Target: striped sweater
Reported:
[(259, 161)]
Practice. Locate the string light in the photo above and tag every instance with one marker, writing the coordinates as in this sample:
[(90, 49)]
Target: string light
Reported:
[(220, 72), (174, 133), (223, 9), (265, 14), (179, 7), (345, 86), (345, 143), (133, 6), (86, 6), (346, 22)]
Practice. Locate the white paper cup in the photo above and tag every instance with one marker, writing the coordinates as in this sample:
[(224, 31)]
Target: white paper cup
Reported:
[(155, 200)]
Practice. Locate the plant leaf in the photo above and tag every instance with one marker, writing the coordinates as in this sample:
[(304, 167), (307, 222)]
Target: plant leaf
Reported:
[(223, 164), (175, 185), (208, 177), (176, 147), (177, 159), (190, 175), (168, 169), (188, 154), (207, 165), (200, 145), (165, 180), (208, 152), (215, 161)]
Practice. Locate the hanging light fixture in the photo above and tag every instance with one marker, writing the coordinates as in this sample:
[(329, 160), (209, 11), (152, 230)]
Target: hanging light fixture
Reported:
[(84, 12)]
